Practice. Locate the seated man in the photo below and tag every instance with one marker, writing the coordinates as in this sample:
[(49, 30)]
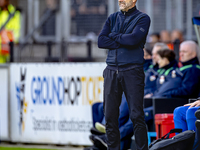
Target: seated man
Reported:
[(151, 74), (168, 77), (190, 72), (184, 118)]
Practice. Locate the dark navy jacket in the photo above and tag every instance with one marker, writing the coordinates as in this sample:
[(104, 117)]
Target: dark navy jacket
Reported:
[(150, 79), (169, 78), (124, 34), (147, 64), (152, 76), (190, 81)]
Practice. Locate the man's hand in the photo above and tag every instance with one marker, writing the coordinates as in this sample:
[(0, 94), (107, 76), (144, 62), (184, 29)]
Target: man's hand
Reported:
[(112, 35), (194, 104), (148, 95)]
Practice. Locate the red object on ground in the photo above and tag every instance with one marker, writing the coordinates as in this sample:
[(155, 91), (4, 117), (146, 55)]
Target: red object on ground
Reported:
[(164, 123)]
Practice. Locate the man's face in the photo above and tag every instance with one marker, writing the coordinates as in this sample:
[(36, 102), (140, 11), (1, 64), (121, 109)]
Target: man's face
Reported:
[(155, 55), (51, 4), (186, 53), (125, 5), (165, 36), (162, 61)]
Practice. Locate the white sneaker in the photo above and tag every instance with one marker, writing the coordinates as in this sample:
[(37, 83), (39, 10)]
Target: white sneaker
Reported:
[(100, 127)]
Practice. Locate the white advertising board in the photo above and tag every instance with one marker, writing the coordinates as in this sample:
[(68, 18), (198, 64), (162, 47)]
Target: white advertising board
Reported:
[(51, 103), (4, 104)]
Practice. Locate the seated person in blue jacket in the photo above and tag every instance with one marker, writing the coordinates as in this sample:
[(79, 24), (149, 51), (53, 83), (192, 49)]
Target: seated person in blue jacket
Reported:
[(184, 118), (167, 77), (125, 126), (147, 59), (151, 74), (190, 71)]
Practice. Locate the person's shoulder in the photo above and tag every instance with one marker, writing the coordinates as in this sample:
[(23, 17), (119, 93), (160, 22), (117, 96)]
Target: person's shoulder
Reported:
[(185, 68), (197, 66), (152, 71), (145, 16), (114, 14), (175, 73), (191, 69)]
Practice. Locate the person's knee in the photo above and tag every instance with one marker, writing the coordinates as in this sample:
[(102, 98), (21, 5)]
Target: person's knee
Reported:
[(111, 118), (177, 112), (137, 118), (190, 112), (100, 108)]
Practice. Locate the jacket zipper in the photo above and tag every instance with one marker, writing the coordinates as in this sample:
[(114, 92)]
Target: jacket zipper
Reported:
[(116, 49)]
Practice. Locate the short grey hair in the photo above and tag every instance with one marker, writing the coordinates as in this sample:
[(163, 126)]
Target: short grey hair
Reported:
[(162, 46), (192, 44)]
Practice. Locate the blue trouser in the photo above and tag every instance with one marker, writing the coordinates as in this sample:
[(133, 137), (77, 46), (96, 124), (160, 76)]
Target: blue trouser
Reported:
[(184, 118), (97, 113), (131, 82)]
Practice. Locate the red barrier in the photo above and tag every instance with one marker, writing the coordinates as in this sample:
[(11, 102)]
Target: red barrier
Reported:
[(164, 123)]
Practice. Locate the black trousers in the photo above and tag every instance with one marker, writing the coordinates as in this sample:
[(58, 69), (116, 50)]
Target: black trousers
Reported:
[(131, 82)]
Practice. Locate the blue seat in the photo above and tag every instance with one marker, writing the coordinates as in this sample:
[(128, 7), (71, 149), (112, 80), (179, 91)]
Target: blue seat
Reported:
[(150, 135)]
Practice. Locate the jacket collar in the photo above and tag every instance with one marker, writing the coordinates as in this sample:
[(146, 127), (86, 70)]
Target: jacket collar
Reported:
[(130, 11), (173, 63), (193, 61), (155, 67), (148, 61)]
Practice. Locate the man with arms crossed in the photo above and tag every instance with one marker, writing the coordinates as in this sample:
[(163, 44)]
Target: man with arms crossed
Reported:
[(124, 34)]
